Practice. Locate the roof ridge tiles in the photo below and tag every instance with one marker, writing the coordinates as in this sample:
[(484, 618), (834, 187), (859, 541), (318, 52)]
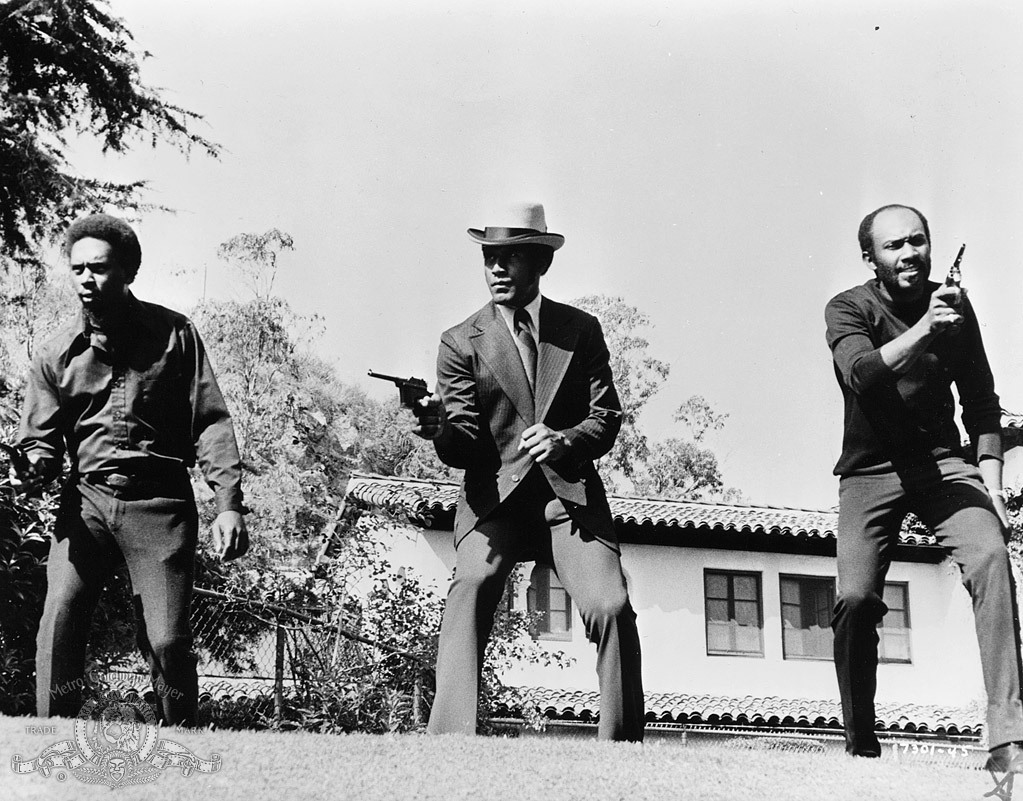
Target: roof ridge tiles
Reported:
[(437, 483)]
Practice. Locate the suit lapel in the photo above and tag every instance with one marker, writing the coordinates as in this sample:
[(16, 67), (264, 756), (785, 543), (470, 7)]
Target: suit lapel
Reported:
[(558, 339), (493, 342)]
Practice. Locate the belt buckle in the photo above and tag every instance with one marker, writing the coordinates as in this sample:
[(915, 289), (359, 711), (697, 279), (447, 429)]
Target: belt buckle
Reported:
[(117, 481)]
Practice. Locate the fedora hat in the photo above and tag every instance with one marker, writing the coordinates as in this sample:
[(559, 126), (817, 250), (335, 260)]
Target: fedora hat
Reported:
[(523, 224)]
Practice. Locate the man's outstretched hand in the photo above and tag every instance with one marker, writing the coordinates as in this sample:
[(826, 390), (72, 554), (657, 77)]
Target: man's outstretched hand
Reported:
[(28, 473), (230, 537)]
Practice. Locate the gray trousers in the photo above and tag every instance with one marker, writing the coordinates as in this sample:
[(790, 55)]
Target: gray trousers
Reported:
[(95, 532), (532, 521), (952, 501)]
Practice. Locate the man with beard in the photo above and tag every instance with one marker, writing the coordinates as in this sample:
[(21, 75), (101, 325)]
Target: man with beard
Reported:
[(899, 341), (127, 391)]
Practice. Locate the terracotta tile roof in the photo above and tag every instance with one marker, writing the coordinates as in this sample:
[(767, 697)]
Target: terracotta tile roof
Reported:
[(216, 688), (767, 712), (426, 501), (680, 708)]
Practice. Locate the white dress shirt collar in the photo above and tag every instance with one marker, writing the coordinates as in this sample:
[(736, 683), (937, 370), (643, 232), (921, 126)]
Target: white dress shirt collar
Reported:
[(533, 307)]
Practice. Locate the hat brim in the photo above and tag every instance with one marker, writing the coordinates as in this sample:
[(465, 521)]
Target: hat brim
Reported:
[(553, 241)]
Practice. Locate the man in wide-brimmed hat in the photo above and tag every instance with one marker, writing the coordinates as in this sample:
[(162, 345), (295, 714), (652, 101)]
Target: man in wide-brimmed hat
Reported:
[(525, 403)]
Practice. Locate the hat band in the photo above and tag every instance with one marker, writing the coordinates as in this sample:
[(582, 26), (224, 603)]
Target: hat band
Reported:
[(504, 233)]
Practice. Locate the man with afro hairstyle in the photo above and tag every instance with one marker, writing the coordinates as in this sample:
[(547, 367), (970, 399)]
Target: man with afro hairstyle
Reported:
[(126, 390)]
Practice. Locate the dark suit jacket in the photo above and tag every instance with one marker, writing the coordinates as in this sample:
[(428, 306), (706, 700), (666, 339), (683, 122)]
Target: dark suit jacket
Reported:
[(489, 404)]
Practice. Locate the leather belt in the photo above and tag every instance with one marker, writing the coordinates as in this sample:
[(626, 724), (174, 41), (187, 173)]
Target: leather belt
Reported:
[(143, 483)]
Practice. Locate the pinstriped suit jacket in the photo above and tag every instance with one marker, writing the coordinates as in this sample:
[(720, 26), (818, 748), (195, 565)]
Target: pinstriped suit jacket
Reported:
[(489, 404)]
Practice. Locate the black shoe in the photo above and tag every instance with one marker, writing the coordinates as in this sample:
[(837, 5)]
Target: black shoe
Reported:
[(1006, 758)]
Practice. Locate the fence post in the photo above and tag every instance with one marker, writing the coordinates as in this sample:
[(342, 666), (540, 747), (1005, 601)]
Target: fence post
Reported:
[(279, 675), (417, 697)]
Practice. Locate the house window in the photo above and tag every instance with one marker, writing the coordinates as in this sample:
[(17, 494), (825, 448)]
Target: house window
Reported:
[(734, 613), (893, 630), (807, 604), (547, 595)]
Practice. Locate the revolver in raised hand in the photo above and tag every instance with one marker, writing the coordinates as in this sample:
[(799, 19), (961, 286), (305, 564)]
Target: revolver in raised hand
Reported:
[(955, 278), (410, 390)]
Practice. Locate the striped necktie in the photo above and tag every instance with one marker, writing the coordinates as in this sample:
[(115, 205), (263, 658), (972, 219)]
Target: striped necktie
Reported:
[(527, 344)]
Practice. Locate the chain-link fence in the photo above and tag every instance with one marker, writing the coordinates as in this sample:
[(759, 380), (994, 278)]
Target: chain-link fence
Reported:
[(268, 665)]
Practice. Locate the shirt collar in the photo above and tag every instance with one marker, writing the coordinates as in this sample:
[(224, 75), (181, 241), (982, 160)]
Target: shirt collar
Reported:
[(87, 334), (533, 307)]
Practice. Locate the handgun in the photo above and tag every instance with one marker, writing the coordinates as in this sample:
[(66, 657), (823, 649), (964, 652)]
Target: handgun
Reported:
[(410, 390), (955, 277)]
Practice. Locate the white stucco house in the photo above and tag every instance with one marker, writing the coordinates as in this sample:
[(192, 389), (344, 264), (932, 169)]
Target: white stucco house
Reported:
[(734, 606)]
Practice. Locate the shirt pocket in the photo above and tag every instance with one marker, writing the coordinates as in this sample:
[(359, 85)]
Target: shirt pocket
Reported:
[(159, 399)]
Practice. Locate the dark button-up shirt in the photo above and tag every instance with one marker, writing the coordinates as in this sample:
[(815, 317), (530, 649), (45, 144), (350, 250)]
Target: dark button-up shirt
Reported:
[(143, 399)]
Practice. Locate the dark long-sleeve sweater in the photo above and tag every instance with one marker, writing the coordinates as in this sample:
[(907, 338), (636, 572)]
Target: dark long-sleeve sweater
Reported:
[(906, 419)]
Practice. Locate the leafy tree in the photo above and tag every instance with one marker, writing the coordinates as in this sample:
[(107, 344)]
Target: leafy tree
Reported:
[(68, 67), (1014, 505), (638, 377), (674, 467), (23, 548), (389, 447)]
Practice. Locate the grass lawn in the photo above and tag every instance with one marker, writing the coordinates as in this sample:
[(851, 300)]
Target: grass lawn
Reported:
[(278, 766)]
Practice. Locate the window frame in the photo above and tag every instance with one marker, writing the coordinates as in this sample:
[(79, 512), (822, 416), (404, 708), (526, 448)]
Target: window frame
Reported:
[(907, 630), (730, 576), (540, 629), (781, 608)]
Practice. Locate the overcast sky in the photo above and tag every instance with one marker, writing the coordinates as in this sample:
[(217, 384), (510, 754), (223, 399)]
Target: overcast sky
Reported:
[(709, 162)]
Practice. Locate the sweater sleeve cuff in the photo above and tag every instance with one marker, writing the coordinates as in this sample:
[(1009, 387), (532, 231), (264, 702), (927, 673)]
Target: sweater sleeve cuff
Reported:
[(229, 499)]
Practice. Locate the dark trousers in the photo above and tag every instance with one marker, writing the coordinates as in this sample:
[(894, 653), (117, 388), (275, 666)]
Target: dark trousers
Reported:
[(96, 530), (532, 520), (952, 501)]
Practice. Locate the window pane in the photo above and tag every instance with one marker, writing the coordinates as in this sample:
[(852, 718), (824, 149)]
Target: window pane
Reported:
[(819, 642), (806, 617), (894, 630), (547, 595), (717, 610), (789, 591), (895, 597), (895, 646), (895, 619), (747, 639), (719, 636), (717, 585), (792, 616), (559, 622), (792, 640), (745, 588), (747, 613)]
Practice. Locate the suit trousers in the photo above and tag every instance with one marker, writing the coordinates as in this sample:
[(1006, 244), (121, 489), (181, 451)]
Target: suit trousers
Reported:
[(532, 519), (97, 529), (952, 501)]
